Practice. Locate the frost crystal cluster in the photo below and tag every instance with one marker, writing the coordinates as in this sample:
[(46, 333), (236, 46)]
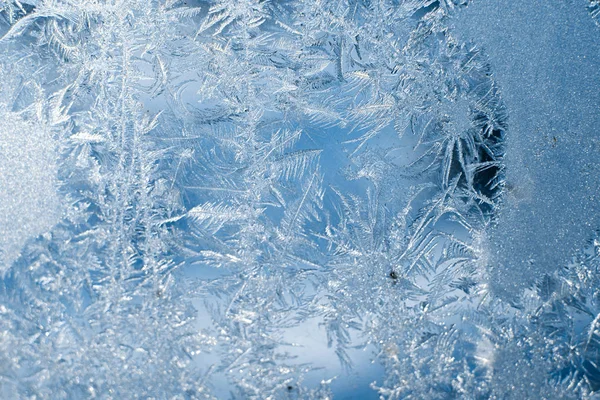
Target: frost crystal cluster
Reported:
[(299, 199)]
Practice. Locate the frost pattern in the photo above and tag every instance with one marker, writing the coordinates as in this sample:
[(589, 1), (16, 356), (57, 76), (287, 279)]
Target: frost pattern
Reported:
[(231, 170), (28, 200), (594, 8)]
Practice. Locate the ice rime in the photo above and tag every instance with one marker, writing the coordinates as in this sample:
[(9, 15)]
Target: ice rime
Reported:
[(256, 199), (29, 203)]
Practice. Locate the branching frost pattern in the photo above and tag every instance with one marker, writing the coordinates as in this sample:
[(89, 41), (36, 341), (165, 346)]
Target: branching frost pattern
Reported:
[(336, 160)]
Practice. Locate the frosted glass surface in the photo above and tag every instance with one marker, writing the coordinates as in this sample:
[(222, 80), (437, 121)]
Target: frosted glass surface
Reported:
[(299, 199)]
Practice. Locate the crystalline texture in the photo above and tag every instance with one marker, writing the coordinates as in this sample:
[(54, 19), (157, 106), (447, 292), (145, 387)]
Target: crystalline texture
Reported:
[(29, 203), (546, 62), (246, 199)]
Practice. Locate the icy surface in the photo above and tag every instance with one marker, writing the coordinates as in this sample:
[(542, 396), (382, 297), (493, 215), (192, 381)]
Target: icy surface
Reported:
[(29, 203), (299, 199), (545, 56)]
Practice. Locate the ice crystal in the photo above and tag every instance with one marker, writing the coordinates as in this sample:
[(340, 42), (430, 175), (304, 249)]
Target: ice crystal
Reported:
[(211, 198)]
